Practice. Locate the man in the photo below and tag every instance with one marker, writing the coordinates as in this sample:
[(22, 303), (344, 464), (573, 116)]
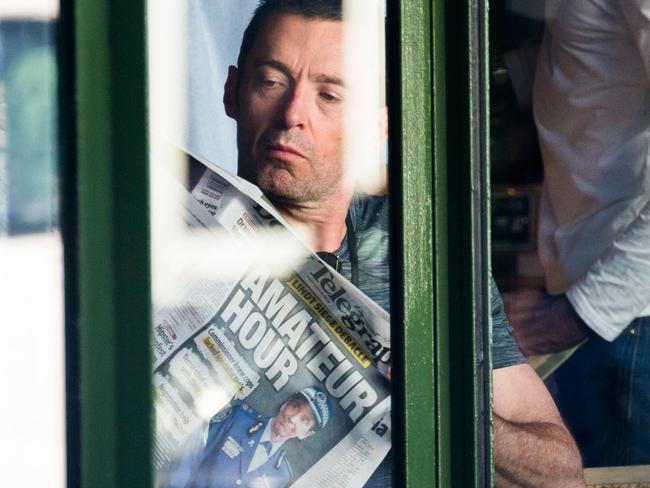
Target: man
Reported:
[(287, 95), (245, 449), (592, 109)]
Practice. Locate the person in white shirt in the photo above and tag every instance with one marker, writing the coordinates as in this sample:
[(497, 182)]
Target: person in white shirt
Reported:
[(592, 111)]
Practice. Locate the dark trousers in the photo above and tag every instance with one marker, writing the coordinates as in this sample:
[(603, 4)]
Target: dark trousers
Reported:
[(603, 393)]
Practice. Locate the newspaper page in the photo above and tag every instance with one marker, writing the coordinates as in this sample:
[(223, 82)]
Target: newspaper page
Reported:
[(267, 377)]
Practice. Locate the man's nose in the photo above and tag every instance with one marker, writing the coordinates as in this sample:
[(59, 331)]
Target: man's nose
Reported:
[(295, 108)]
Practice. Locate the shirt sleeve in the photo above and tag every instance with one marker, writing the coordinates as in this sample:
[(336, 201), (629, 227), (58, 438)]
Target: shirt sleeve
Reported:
[(505, 351), (616, 289), (637, 16), (182, 468)]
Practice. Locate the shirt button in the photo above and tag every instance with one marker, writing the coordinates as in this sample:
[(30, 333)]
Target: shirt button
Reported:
[(238, 482), (632, 330)]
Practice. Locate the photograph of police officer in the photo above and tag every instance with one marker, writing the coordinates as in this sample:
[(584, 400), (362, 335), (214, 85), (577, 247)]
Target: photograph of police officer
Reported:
[(244, 448)]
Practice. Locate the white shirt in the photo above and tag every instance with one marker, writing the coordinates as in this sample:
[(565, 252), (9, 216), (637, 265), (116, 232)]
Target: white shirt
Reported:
[(592, 110), (261, 456)]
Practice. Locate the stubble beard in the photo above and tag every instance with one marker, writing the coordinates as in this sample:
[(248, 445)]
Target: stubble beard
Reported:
[(287, 184), (283, 188)]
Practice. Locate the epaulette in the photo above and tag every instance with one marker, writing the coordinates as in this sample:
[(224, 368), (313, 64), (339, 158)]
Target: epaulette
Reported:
[(282, 458), (221, 415), (248, 411)]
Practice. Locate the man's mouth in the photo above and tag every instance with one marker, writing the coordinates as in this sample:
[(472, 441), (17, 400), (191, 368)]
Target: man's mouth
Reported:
[(282, 152), (283, 427)]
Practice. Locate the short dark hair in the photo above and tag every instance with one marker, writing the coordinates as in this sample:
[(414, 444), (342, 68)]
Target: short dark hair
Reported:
[(310, 9)]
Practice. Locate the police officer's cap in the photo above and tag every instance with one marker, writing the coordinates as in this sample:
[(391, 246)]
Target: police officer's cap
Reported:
[(319, 403)]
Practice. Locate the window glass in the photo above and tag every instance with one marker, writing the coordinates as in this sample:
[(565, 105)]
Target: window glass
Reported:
[(31, 279), (271, 333), (570, 131)]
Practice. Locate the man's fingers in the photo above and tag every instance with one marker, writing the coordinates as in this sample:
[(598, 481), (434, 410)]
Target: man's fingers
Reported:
[(542, 323), (523, 307)]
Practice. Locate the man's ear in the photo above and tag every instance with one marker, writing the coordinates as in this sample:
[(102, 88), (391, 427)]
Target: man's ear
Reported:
[(230, 93)]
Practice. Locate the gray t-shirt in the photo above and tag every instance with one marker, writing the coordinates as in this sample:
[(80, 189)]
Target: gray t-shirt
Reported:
[(369, 217), (505, 351)]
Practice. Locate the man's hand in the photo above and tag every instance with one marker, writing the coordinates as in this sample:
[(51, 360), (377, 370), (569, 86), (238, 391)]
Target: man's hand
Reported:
[(532, 447), (543, 323)]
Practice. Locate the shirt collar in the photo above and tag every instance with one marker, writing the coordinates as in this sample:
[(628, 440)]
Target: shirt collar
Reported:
[(266, 437)]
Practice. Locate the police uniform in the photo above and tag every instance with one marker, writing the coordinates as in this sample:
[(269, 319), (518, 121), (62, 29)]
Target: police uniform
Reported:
[(225, 462)]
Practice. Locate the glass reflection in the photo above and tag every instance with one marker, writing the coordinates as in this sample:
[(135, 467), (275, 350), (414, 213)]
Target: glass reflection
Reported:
[(270, 368), (31, 273), (571, 131)]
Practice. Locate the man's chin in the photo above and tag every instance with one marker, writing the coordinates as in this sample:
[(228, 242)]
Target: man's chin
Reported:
[(284, 189), (282, 193)]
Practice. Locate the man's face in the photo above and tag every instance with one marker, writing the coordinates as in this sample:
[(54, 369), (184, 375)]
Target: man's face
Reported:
[(288, 103), (293, 422)]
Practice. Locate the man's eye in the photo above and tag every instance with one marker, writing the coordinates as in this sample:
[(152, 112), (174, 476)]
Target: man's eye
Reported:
[(329, 97), (269, 83)]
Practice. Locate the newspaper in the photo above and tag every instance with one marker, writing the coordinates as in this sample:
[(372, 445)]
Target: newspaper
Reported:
[(232, 354)]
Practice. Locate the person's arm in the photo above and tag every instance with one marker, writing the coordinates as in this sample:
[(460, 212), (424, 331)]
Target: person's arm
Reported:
[(637, 17), (616, 289), (543, 323), (532, 447), (190, 456), (181, 469), (606, 299)]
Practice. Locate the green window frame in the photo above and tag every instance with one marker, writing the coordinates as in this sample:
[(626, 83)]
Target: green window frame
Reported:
[(442, 397)]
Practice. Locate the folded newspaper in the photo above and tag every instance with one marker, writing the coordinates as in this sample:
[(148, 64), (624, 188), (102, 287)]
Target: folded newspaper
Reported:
[(267, 377)]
